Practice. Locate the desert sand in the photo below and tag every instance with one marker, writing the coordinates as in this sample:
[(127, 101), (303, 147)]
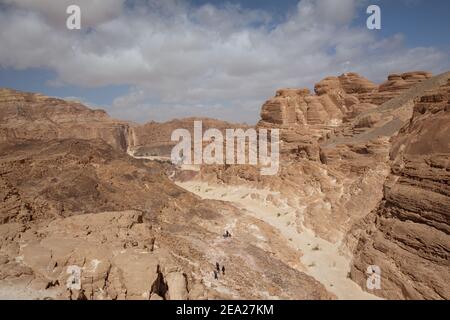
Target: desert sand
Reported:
[(322, 259)]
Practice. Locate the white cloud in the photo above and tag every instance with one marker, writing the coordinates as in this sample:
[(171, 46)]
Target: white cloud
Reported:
[(182, 60)]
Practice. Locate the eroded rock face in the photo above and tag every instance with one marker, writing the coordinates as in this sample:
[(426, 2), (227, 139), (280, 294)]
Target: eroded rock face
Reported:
[(31, 116), (35, 117), (305, 118), (351, 83), (395, 85), (133, 233), (113, 252), (370, 167), (66, 177), (126, 255), (300, 107), (408, 236), (154, 138), (136, 235)]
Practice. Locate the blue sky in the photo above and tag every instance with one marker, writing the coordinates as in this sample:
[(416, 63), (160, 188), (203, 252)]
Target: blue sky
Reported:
[(157, 60), (424, 23)]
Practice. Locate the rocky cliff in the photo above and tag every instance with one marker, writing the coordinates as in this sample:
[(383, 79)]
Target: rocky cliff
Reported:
[(395, 85), (363, 173), (333, 99), (30, 116), (154, 138), (35, 117), (73, 199), (373, 180), (408, 235), (340, 104)]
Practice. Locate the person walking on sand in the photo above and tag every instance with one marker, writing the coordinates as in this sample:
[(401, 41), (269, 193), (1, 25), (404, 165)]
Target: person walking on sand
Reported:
[(215, 275), (223, 270), (217, 267)]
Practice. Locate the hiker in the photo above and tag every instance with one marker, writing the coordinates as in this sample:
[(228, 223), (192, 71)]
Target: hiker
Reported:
[(215, 275), (223, 270), (217, 267)]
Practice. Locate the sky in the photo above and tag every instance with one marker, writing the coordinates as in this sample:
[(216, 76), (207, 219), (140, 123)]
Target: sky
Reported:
[(144, 60)]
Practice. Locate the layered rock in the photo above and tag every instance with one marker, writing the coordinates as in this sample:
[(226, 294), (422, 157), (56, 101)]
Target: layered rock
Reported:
[(59, 178), (350, 83), (300, 107), (395, 85), (136, 235), (408, 236), (131, 231), (154, 138), (305, 118), (30, 116), (328, 184)]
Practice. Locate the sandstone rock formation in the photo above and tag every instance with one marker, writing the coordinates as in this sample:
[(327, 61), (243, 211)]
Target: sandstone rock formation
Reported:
[(132, 232), (408, 236), (332, 178), (395, 85), (66, 177), (306, 118), (154, 138), (30, 116), (363, 181)]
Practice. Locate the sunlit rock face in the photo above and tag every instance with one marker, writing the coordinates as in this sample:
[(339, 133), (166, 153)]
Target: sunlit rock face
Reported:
[(73, 199), (30, 116), (408, 235)]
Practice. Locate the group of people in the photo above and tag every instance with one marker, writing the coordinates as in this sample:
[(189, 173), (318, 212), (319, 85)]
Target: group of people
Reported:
[(217, 271)]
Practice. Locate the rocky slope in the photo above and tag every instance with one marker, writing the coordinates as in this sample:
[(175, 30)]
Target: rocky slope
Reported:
[(363, 181), (133, 234), (334, 167), (408, 235)]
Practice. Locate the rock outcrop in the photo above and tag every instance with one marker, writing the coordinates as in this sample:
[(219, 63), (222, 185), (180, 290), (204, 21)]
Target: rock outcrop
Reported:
[(81, 207), (305, 118), (364, 170), (153, 139), (375, 181), (65, 177), (31, 116), (408, 235), (395, 85)]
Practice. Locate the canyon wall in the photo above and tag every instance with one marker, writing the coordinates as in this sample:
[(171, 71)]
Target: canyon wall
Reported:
[(154, 138), (72, 197), (408, 235), (30, 116), (372, 172)]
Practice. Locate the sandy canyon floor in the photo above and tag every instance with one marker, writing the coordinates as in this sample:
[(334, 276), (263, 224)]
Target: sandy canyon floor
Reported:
[(323, 260)]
